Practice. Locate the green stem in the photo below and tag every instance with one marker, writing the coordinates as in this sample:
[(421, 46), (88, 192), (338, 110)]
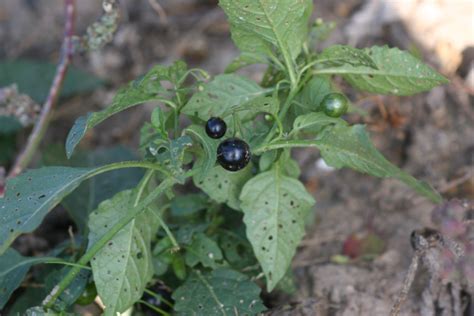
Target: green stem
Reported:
[(41, 260), (285, 144), (281, 116), (66, 263), (155, 308), (66, 281), (127, 164), (279, 124), (142, 186), (168, 232), (160, 297)]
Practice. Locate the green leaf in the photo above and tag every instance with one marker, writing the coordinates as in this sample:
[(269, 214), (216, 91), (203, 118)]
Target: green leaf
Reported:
[(267, 159), (69, 296), (30, 297), (9, 124), (224, 186), (236, 249), (90, 193), (39, 311), (245, 59), (220, 292), (189, 204), (13, 269), (179, 267), (34, 78), (255, 106), (313, 93), (210, 148), (173, 156), (314, 122), (31, 195), (263, 26), (7, 148), (148, 88), (221, 95), (187, 231), (340, 55), (123, 267), (343, 146), (203, 250), (275, 208), (158, 121), (398, 73)]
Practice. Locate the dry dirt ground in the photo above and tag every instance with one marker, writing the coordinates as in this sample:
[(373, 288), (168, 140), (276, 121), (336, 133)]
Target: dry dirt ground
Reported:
[(430, 135)]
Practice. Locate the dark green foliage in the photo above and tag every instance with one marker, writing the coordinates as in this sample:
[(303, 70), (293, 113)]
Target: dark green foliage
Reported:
[(207, 246), (35, 77)]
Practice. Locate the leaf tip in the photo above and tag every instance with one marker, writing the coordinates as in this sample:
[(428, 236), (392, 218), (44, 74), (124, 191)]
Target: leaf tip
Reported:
[(76, 133)]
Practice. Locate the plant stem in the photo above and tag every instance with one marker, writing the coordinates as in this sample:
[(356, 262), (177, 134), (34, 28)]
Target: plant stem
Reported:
[(52, 297), (142, 185), (168, 232), (127, 164), (160, 297), (281, 116), (154, 308), (42, 123), (284, 144)]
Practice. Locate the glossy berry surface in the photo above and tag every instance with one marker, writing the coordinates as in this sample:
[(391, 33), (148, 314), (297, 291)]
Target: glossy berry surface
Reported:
[(215, 127), (233, 154), (334, 104)]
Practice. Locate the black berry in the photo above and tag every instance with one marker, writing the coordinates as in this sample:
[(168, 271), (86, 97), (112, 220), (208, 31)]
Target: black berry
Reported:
[(233, 154), (215, 127), (334, 105)]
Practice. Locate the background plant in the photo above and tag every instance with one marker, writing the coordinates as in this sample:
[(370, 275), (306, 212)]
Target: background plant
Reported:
[(243, 224)]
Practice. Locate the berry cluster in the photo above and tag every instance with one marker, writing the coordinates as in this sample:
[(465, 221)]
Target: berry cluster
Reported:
[(233, 154)]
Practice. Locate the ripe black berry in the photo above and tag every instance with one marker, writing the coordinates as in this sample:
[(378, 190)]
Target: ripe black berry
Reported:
[(233, 154), (215, 127), (334, 104)]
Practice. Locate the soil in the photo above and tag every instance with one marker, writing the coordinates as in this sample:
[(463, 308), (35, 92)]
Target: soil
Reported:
[(430, 135)]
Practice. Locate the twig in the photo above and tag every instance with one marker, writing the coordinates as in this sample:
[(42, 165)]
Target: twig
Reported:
[(456, 182), (159, 10), (402, 295), (42, 123)]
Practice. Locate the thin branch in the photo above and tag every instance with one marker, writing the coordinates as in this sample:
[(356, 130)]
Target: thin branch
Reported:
[(42, 123), (159, 10), (402, 295)]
